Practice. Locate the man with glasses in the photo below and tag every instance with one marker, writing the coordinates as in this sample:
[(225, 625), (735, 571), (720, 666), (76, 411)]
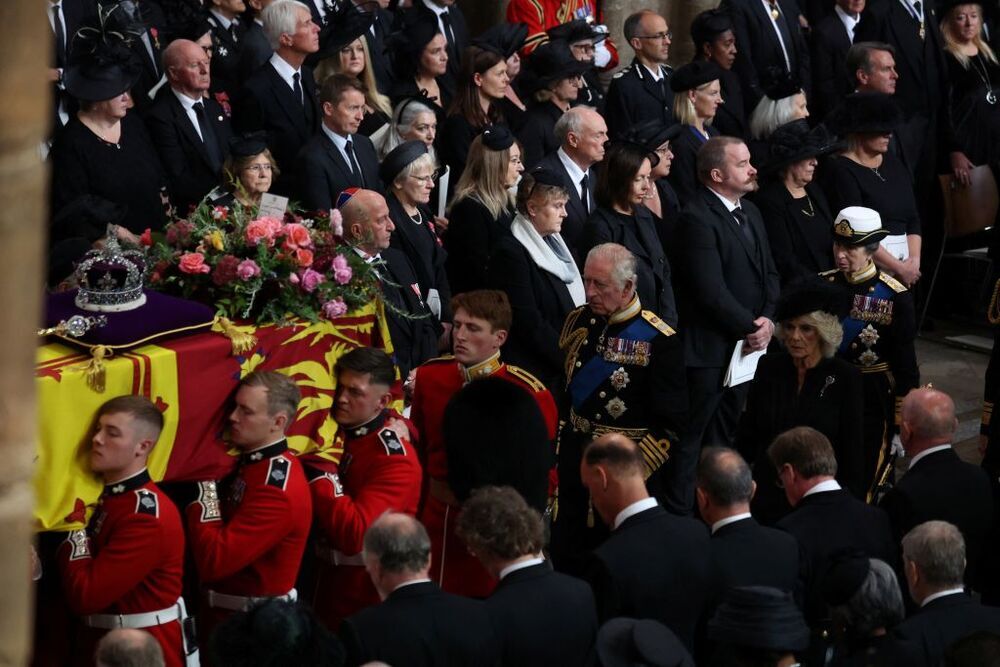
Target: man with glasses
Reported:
[(641, 92)]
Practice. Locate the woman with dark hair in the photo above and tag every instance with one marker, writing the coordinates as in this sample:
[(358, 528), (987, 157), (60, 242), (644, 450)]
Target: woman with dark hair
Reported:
[(482, 208), (797, 218), (714, 41), (248, 172), (508, 38), (661, 199), (620, 217), (482, 84), (697, 96), (420, 60)]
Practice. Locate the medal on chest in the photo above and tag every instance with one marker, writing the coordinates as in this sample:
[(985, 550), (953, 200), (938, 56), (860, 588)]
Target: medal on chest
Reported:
[(627, 351), (872, 309)]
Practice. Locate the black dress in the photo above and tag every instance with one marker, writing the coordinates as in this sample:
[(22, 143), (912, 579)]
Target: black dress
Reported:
[(830, 401), (536, 134), (666, 222), (890, 191), (472, 236), (417, 240), (974, 122), (800, 231), (128, 172), (683, 171), (409, 88)]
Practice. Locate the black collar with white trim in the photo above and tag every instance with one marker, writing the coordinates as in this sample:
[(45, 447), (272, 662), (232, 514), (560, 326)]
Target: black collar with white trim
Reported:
[(371, 426), (265, 453), (141, 478)]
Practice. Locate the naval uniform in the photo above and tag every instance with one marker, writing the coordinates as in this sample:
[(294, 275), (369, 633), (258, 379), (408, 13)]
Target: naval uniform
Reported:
[(125, 570), (634, 97), (378, 472), (625, 374), (878, 339), (453, 568)]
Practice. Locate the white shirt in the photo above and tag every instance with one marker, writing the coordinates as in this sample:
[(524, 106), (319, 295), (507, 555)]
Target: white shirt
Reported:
[(940, 594), (730, 519), (223, 21), (657, 75), (62, 20), (285, 71), (410, 583), (828, 485), (850, 22), (929, 450), (520, 566), (188, 105), (574, 172), (777, 32), (633, 509), (341, 143), (438, 11), (730, 205)]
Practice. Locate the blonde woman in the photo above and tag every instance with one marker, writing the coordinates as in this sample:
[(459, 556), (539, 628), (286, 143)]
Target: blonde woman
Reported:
[(697, 96), (354, 59)]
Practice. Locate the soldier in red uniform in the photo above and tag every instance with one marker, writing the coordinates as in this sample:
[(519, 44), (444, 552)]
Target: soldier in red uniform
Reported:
[(125, 570), (378, 472), (250, 547), (480, 322), (542, 15)]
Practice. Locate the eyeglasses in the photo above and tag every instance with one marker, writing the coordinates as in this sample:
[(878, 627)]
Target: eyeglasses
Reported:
[(663, 150), (425, 180), (259, 168), (659, 36)]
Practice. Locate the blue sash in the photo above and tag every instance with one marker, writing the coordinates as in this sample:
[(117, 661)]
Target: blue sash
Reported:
[(853, 326), (597, 370)]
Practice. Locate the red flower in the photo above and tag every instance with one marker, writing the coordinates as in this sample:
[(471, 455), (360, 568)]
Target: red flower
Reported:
[(193, 262), (147, 238), (304, 257), (225, 270), (223, 100)]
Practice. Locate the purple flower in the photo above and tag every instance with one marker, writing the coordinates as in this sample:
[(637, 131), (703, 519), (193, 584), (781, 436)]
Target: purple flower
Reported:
[(247, 269), (334, 308), (341, 270), (311, 280)]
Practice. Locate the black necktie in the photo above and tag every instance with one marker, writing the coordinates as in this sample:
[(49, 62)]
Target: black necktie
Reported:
[(786, 37), (297, 88), (743, 223), (449, 35), (208, 136), (585, 193), (355, 169), (916, 8), (60, 36), (234, 27)]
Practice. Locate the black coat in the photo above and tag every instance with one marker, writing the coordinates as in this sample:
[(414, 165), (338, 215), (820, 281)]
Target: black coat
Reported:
[(267, 103), (576, 216), (323, 173), (473, 234), (543, 618), (420, 625), (637, 233), (227, 56), (381, 64), (153, 21), (831, 80), (191, 173), (826, 522), (728, 282), (414, 241), (454, 137), (758, 48), (633, 97), (414, 330), (683, 174), (745, 553), (731, 116), (921, 640), (943, 487), (655, 565), (591, 92), (536, 135), (255, 51), (801, 244)]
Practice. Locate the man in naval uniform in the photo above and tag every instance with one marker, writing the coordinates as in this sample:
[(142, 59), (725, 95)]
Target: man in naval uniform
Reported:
[(625, 375)]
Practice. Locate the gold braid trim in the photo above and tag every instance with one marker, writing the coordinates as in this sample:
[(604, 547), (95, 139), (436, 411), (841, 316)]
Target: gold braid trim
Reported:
[(993, 312)]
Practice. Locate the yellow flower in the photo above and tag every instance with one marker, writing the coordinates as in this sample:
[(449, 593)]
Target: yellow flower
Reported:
[(215, 239)]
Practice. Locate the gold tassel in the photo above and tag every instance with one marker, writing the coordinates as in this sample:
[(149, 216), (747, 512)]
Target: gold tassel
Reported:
[(242, 341), (94, 370), (993, 312)]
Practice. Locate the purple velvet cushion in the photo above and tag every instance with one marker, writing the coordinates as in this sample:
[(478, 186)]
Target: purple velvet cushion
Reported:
[(160, 317)]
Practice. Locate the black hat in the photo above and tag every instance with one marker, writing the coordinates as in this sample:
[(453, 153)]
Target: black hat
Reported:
[(694, 74), (192, 28), (399, 158), (497, 138), (778, 84), (759, 617), (343, 25), (403, 102), (808, 295), (545, 176), (576, 30), (942, 7), (551, 62), (102, 64), (630, 146), (858, 225), (651, 134), (847, 570), (407, 44), (625, 642), (708, 25), (507, 38), (795, 141), (865, 113), (248, 144)]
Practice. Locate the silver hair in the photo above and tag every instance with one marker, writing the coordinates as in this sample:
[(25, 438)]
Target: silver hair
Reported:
[(422, 162), (938, 549), (878, 603), (623, 265), (827, 326), (571, 121), (281, 18), (770, 114), (399, 542), (402, 121)]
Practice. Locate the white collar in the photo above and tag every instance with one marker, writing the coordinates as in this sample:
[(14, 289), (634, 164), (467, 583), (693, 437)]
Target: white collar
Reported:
[(369, 259), (437, 9), (828, 485), (657, 75), (730, 519), (929, 450), (848, 20), (633, 509), (572, 168), (186, 102), (285, 71), (422, 580), (940, 594), (338, 140), (730, 205), (531, 562), (221, 19)]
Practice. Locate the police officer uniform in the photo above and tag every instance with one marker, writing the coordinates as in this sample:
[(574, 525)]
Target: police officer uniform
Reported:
[(878, 338), (636, 96), (625, 374), (125, 569), (378, 472), (227, 56)]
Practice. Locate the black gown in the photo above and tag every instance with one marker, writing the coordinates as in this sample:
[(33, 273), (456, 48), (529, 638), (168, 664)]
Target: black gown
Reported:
[(417, 240), (890, 191), (974, 122), (473, 233), (800, 231)]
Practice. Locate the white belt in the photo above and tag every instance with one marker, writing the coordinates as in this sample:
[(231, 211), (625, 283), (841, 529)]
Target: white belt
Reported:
[(334, 557), (243, 602), (145, 619)]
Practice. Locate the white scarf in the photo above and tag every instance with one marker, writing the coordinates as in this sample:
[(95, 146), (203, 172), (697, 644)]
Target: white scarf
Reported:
[(547, 259)]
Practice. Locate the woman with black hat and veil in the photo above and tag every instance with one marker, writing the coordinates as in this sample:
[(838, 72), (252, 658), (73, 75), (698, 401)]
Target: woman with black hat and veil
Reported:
[(419, 53), (104, 150)]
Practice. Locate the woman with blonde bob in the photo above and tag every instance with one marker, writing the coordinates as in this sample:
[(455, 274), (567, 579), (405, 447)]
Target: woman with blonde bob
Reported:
[(804, 384), (697, 96)]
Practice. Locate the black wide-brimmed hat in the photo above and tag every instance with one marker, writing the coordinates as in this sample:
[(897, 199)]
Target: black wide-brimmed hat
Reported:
[(759, 617), (399, 158), (551, 62), (576, 30), (865, 113), (796, 141), (505, 38), (858, 225), (626, 642), (848, 569), (694, 74), (651, 134), (710, 24), (102, 64), (344, 24), (808, 295), (406, 44)]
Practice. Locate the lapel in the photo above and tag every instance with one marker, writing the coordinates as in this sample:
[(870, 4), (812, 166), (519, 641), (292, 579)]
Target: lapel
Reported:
[(286, 100), (730, 227), (187, 129), (574, 199), (901, 24), (766, 27), (655, 88), (335, 156)]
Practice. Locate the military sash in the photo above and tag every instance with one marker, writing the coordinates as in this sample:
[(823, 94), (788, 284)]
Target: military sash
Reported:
[(855, 322), (599, 369)]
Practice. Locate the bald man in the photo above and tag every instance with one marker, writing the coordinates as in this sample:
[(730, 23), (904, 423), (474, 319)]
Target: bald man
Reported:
[(938, 485), (412, 327), (128, 647), (189, 128)]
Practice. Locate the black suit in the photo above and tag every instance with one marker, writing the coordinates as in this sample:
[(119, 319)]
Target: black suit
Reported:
[(576, 216), (536, 134), (324, 172), (420, 625), (228, 54), (255, 50), (151, 17), (830, 78), (943, 487), (190, 169), (412, 327), (266, 102), (921, 640), (634, 97), (745, 553), (375, 38), (74, 12), (825, 522), (543, 618), (655, 565), (759, 50)]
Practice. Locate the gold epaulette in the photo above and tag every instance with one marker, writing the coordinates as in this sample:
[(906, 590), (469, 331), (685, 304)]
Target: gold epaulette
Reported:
[(660, 325), (439, 360), (569, 325), (526, 377), (829, 274), (896, 286)]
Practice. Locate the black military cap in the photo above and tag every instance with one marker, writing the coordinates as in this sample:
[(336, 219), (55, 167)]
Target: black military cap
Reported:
[(694, 74), (708, 25), (399, 158), (505, 38), (759, 617), (497, 138), (248, 144)]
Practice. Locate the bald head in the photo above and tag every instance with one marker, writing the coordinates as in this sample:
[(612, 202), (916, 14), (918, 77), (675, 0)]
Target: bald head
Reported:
[(928, 419), (614, 472), (582, 133), (366, 221), (127, 647), (187, 68)]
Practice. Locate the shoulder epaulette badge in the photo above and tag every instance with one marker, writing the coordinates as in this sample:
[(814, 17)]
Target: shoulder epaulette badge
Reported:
[(393, 445), (891, 282), (526, 377), (660, 325), (146, 502), (277, 472)]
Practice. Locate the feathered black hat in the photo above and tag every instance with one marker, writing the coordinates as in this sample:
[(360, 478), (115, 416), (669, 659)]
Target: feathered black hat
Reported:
[(865, 113), (344, 24), (779, 84), (550, 62), (795, 141), (576, 30), (507, 38), (102, 65)]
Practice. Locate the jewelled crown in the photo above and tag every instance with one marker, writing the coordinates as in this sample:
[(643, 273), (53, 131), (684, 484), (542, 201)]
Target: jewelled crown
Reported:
[(110, 279)]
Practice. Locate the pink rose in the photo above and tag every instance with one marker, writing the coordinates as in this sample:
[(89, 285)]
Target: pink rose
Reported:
[(247, 269), (334, 308), (336, 222), (193, 262), (341, 270), (311, 280), (294, 279), (304, 257), (296, 236), (257, 231)]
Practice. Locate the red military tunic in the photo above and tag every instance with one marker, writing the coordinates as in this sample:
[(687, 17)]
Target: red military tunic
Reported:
[(541, 15), (452, 566), (255, 547), (378, 472), (129, 561)]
